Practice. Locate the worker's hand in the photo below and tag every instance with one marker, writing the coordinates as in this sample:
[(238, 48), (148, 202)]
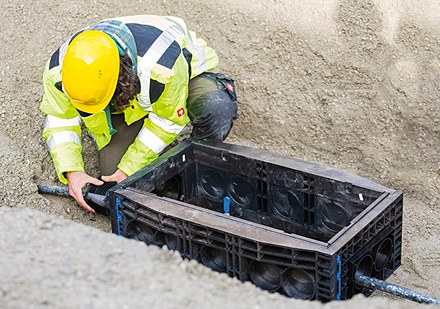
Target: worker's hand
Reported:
[(77, 180), (118, 176)]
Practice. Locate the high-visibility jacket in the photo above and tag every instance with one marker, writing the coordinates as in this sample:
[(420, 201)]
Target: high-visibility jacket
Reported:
[(168, 55)]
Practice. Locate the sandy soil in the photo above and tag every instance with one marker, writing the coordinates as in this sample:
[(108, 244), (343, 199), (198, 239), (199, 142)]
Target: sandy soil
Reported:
[(348, 84), (55, 263)]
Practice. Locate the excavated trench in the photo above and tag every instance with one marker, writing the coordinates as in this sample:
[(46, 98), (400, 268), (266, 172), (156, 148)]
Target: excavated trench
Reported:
[(348, 84)]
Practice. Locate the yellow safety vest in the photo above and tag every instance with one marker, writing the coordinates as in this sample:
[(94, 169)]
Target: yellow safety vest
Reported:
[(168, 56)]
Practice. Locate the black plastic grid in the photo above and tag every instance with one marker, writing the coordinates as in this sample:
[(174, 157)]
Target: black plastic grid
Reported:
[(312, 253)]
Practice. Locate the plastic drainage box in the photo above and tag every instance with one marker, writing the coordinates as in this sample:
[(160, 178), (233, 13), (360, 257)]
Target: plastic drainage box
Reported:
[(287, 225)]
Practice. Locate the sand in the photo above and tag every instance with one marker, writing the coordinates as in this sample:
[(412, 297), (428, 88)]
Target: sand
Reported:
[(347, 84)]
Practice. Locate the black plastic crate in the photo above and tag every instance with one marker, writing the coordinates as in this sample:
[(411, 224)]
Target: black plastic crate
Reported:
[(287, 225)]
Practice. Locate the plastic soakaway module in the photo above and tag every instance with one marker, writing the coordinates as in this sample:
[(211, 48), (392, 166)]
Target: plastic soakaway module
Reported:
[(288, 226)]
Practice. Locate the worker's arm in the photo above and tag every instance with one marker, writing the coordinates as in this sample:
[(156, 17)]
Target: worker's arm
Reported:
[(163, 124), (62, 128)]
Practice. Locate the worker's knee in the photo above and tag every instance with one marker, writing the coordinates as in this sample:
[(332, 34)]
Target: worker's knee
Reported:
[(212, 113)]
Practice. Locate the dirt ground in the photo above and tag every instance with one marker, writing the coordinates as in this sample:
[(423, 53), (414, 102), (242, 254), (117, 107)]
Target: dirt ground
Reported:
[(351, 84)]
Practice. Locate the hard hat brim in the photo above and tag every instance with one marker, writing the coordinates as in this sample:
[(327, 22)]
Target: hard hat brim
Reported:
[(95, 108)]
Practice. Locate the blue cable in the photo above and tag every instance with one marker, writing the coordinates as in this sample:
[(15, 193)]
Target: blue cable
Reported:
[(338, 277), (118, 216)]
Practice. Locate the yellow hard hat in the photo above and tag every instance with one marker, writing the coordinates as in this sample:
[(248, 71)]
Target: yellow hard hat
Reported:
[(90, 71)]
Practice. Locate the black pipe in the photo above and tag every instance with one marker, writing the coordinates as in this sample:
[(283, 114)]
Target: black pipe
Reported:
[(95, 196), (54, 190), (374, 283)]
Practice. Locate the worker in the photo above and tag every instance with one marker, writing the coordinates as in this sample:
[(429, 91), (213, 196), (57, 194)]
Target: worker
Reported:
[(135, 82)]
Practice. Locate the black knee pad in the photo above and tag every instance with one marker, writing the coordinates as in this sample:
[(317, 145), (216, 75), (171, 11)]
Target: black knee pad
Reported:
[(212, 113)]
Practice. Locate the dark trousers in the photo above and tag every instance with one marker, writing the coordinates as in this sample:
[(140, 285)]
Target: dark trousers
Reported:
[(211, 105)]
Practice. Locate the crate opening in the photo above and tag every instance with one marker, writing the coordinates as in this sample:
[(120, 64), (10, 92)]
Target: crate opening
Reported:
[(269, 194)]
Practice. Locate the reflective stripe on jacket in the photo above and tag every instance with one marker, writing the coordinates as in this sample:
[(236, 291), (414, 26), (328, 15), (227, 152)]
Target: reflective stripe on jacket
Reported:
[(168, 56)]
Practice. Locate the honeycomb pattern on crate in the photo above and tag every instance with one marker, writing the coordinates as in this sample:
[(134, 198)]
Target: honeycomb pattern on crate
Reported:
[(287, 270), (391, 217), (295, 273)]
